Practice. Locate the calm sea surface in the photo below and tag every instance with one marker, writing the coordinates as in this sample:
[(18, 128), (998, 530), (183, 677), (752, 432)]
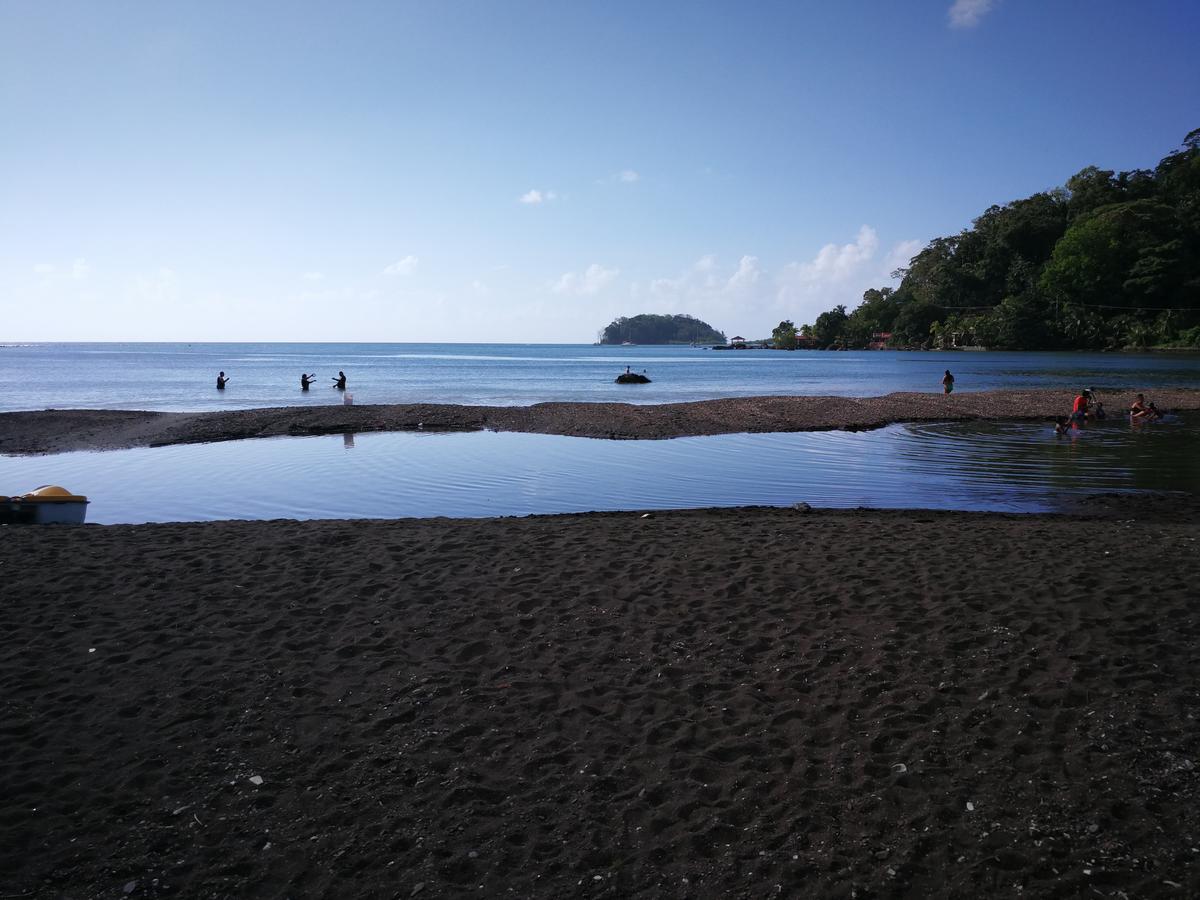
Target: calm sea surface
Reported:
[(183, 376), (966, 465)]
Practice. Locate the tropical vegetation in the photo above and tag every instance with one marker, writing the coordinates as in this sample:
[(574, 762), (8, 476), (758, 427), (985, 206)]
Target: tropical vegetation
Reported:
[(1108, 261), (652, 329)]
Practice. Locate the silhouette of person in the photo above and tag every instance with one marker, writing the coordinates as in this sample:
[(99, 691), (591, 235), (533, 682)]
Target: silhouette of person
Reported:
[(340, 381), (947, 382), (221, 381), (306, 380)]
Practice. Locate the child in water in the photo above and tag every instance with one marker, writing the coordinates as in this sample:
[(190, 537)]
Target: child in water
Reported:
[(1062, 425)]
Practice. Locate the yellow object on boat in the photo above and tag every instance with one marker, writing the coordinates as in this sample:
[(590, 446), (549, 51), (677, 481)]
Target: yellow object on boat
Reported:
[(51, 493), (47, 505)]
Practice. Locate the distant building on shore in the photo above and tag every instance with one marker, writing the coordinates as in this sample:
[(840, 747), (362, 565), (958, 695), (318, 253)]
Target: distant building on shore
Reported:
[(879, 340)]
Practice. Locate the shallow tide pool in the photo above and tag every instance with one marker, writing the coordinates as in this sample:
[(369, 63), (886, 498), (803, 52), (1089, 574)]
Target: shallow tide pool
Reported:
[(1015, 466)]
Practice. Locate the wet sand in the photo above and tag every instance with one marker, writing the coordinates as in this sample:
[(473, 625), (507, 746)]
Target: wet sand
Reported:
[(714, 703), (57, 431)]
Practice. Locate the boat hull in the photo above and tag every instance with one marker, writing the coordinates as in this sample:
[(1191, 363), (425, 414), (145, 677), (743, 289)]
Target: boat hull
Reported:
[(47, 505)]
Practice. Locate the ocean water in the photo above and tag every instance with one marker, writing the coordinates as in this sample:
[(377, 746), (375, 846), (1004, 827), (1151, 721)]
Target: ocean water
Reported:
[(1007, 466), (182, 376)]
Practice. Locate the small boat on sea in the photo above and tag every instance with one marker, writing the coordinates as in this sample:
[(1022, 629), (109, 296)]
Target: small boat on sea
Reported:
[(46, 505)]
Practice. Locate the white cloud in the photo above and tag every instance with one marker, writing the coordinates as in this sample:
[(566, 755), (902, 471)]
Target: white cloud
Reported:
[(839, 274), (480, 288), (313, 276), (78, 270), (751, 300), (535, 197), (160, 287), (968, 13), (901, 255), (625, 176), (832, 263), (704, 290), (591, 281), (745, 277), (405, 266)]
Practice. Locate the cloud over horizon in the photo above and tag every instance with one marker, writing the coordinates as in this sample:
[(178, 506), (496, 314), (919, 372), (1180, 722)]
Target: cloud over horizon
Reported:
[(839, 274), (751, 300), (405, 266), (591, 281), (535, 197), (968, 13)]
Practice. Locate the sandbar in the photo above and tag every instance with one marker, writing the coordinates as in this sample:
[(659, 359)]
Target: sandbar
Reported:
[(58, 431)]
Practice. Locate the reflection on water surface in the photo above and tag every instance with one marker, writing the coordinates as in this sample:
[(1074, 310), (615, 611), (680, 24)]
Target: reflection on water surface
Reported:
[(1012, 466)]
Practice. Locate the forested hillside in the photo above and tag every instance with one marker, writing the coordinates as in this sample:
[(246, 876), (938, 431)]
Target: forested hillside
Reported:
[(1109, 261)]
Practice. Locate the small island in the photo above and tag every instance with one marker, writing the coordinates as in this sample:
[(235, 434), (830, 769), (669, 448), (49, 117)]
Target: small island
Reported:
[(653, 329)]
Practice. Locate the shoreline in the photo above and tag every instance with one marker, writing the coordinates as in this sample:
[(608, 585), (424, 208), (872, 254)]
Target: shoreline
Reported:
[(38, 432), (702, 703)]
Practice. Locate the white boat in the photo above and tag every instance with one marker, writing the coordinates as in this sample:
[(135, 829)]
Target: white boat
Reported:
[(46, 505)]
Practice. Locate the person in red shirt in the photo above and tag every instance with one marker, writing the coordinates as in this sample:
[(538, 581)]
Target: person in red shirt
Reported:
[(1079, 410)]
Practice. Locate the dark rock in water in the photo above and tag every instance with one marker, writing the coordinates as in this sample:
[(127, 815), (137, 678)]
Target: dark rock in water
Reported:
[(632, 378)]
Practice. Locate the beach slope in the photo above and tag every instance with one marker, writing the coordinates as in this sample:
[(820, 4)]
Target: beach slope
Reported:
[(713, 703)]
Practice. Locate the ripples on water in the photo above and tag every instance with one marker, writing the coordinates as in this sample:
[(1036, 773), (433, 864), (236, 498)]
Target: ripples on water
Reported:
[(976, 465)]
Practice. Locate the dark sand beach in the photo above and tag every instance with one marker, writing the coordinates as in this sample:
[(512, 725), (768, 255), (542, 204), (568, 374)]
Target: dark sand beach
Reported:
[(717, 703), (57, 431)]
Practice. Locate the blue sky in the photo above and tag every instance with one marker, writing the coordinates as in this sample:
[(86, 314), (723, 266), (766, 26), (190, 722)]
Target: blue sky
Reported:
[(528, 171)]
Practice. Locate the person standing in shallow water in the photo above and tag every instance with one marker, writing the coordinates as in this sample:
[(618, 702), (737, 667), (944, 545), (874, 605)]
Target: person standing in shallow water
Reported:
[(340, 381), (1079, 408), (947, 382), (306, 380), (221, 381)]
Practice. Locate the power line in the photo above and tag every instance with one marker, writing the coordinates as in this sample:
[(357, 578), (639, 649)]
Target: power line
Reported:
[(1094, 306)]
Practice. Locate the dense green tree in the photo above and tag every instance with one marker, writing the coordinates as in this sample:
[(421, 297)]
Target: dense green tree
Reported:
[(1021, 323), (653, 329), (829, 326), (913, 322), (784, 335), (877, 313), (1121, 256), (1109, 260)]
